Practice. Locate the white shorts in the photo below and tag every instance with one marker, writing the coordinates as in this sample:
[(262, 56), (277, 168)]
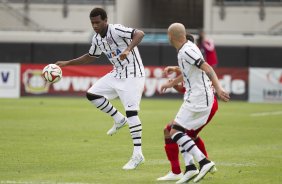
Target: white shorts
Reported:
[(191, 120), (129, 90)]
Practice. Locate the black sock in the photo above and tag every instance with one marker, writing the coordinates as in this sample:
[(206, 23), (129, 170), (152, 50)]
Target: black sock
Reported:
[(190, 168), (203, 162)]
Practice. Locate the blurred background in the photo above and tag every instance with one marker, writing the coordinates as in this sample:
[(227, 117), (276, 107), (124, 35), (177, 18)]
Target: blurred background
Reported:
[(247, 35)]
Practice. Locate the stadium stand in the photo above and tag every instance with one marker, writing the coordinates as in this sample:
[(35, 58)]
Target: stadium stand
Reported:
[(35, 27)]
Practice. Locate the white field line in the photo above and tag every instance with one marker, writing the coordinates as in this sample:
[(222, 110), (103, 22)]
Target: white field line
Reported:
[(230, 164), (227, 164), (38, 182), (266, 113)]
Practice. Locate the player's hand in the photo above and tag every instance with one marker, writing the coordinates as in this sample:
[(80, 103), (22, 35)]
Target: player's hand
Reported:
[(165, 86), (62, 63), (123, 55), (223, 95), (179, 88), (168, 70)]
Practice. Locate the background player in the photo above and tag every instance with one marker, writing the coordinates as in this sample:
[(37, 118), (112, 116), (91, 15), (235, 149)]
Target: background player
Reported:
[(198, 100), (207, 48), (125, 81)]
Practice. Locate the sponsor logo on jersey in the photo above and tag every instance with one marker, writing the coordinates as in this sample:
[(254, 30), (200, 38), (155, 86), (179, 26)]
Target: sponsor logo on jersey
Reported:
[(113, 53)]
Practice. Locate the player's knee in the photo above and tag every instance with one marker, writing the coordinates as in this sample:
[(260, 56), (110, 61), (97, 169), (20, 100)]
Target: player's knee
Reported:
[(172, 133), (131, 113), (166, 133), (91, 97), (176, 129)]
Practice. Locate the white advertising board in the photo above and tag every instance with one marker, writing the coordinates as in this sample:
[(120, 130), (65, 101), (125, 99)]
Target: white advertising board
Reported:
[(9, 80), (265, 85)]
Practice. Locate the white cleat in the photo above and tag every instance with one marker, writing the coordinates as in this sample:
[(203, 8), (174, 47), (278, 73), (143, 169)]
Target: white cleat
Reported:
[(170, 177), (134, 162), (188, 176), (213, 170), (204, 170), (117, 126)]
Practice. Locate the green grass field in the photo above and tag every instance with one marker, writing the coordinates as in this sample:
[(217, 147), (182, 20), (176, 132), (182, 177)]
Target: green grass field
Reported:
[(63, 140)]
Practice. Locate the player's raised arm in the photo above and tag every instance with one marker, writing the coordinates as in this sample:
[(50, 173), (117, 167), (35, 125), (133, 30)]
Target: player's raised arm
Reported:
[(172, 82), (213, 77), (84, 59), (170, 69), (136, 39)]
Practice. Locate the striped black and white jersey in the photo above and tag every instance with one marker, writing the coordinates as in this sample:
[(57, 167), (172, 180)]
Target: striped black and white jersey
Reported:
[(199, 92), (116, 40)]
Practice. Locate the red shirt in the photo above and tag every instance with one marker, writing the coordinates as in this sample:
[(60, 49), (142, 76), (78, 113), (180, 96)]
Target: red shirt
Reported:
[(208, 50)]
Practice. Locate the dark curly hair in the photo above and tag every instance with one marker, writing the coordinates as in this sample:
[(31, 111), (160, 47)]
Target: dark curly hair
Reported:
[(98, 11), (190, 37)]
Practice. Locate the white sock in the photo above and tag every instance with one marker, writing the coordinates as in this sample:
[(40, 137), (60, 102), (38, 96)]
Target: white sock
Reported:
[(188, 145), (135, 129), (105, 106), (188, 158)]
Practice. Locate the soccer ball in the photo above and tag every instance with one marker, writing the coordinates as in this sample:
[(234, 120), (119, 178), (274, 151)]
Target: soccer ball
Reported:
[(52, 73)]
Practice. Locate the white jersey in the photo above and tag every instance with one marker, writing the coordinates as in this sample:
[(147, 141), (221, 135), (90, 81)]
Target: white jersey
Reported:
[(199, 93), (116, 40)]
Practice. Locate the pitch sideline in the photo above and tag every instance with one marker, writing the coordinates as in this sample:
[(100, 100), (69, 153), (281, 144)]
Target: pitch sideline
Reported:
[(266, 113), (38, 182)]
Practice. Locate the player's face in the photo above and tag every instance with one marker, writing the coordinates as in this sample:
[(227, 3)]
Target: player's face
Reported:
[(98, 24)]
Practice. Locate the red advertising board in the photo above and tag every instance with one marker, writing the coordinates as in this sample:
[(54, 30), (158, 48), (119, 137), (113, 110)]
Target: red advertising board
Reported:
[(235, 81), (78, 79)]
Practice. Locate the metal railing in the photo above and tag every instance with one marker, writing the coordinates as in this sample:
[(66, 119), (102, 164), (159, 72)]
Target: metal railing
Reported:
[(248, 2), (260, 3), (21, 17)]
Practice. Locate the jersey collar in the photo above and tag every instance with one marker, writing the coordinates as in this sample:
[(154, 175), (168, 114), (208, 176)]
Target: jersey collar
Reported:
[(182, 46), (106, 31)]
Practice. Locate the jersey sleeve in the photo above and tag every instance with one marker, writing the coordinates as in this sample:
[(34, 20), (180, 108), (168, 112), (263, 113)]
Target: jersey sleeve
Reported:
[(192, 57), (94, 50), (124, 32)]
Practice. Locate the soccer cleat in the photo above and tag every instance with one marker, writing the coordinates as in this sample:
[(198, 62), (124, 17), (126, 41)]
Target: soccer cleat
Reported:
[(170, 177), (134, 162), (117, 126), (204, 170), (188, 176), (213, 170)]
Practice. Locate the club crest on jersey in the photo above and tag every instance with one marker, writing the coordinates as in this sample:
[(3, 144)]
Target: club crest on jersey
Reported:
[(109, 40), (113, 53)]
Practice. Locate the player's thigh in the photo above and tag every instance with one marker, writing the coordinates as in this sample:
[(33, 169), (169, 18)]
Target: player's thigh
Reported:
[(105, 86), (191, 120), (211, 115), (130, 93)]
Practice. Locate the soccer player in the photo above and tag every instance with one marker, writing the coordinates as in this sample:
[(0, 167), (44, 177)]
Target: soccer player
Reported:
[(198, 101), (171, 148), (126, 80), (207, 48)]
